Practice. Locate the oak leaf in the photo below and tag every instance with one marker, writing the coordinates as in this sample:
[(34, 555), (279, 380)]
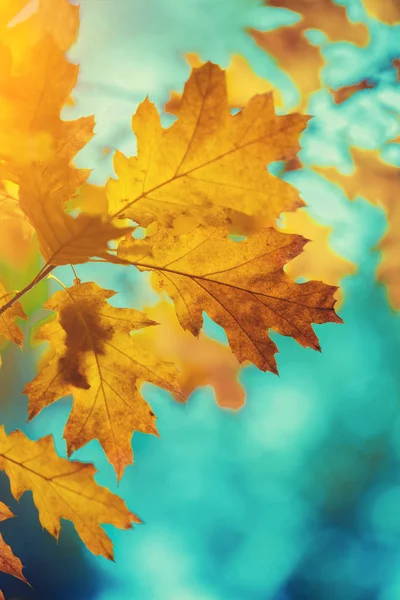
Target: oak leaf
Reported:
[(208, 163), (9, 563), (387, 11), (98, 362), (379, 183), (201, 361), (8, 327), (62, 489), (240, 285), (318, 260), (344, 93), (42, 168), (241, 83), (56, 18)]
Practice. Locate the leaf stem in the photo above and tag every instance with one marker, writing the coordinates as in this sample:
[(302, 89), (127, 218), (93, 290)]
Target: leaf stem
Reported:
[(41, 275)]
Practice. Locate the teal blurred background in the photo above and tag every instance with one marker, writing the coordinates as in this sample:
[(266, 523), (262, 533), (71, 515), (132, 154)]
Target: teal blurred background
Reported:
[(297, 495)]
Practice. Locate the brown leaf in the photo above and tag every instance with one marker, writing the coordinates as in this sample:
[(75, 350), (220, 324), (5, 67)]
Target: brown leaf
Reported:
[(208, 163), (344, 93), (62, 489), (98, 361), (379, 183), (241, 286)]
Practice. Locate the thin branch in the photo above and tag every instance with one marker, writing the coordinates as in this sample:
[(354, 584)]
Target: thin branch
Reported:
[(41, 275)]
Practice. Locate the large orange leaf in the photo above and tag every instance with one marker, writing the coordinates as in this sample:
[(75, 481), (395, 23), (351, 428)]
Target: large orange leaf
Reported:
[(62, 489), (208, 163), (97, 360), (241, 285)]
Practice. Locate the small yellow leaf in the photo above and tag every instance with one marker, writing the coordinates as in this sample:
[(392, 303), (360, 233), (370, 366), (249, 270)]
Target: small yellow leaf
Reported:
[(98, 361), (208, 163), (62, 489)]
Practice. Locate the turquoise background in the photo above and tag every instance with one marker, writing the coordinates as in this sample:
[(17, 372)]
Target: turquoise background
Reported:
[(296, 496)]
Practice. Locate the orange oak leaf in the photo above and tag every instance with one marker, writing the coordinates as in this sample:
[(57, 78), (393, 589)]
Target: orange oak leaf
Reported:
[(98, 362), (240, 285), (62, 489), (208, 163), (317, 261), (201, 361), (292, 50), (379, 183), (344, 93), (387, 11), (9, 563)]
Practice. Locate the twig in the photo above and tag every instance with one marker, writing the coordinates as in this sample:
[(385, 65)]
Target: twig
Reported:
[(41, 275)]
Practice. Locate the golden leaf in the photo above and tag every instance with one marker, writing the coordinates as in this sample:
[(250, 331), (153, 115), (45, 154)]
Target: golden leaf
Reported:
[(97, 360), (56, 18), (241, 286), (62, 489), (201, 361), (379, 183), (241, 84), (387, 11), (208, 163)]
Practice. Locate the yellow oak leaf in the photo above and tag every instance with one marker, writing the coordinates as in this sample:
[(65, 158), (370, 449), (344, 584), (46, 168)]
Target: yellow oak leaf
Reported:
[(387, 11), (56, 18), (17, 233), (8, 10), (241, 286), (241, 83), (201, 361), (208, 163), (9, 563), (62, 489), (317, 261), (293, 52), (100, 364), (379, 183)]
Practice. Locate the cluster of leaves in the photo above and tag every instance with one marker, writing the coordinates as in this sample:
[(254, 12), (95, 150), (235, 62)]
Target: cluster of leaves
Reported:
[(206, 207)]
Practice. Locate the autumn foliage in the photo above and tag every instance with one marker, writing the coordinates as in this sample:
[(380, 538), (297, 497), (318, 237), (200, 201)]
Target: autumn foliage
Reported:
[(207, 207)]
